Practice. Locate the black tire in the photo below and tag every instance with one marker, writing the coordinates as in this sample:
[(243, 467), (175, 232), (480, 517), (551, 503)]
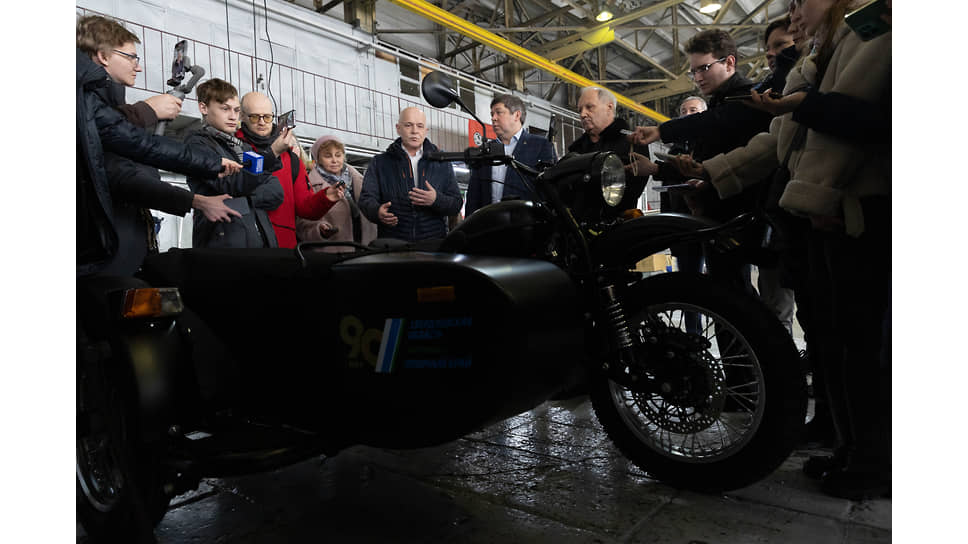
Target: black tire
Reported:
[(119, 485), (753, 402)]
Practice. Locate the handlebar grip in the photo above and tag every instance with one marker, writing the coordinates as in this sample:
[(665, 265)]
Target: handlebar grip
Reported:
[(447, 156)]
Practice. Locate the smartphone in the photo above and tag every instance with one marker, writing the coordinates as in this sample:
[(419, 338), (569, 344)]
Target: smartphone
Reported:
[(664, 156), (773, 95), (287, 120), (866, 20), (340, 184), (676, 187), (178, 67)]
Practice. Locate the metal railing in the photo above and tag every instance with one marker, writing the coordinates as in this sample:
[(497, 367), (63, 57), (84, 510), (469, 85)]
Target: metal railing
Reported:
[(319, 101)]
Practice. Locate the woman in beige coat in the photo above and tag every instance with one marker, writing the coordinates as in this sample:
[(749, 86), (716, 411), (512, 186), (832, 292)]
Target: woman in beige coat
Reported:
[(343, 222), (833, 127)]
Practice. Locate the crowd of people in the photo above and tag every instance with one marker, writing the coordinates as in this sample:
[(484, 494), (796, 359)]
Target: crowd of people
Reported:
[(808, 147)]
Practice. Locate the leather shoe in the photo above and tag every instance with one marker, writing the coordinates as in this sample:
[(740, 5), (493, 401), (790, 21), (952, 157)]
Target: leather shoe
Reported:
[(817, 466), (856, 485)]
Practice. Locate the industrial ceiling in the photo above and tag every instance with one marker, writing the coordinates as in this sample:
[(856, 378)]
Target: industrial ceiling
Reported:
[(638, 53)]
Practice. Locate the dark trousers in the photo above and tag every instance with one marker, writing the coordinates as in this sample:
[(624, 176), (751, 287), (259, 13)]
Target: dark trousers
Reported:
[(850, 282)]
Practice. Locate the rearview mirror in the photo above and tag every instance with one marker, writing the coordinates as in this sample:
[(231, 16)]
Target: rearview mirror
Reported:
[(439, 90)]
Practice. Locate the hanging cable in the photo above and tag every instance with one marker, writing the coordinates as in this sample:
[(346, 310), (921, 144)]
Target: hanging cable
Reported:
[(272, 59), (228, 39)]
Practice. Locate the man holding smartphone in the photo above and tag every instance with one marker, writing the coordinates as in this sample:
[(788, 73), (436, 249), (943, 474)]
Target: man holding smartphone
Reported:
[(279, 140), (724, 126)]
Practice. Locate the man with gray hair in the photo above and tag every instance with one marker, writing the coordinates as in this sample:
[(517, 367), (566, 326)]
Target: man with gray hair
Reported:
[(603, 132), (490, 184)]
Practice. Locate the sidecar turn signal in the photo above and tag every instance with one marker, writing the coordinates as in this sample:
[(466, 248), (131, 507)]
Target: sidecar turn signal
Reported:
[(153, 302), (632, 213)]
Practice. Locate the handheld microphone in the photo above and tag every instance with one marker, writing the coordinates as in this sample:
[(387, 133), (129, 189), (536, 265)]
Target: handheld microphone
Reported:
[(252, 162)]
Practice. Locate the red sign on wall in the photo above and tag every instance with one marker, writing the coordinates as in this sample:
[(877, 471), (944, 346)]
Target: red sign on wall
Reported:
[(476, 134)]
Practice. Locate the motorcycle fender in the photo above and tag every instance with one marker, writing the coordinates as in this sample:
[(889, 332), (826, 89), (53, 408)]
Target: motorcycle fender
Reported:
[(633, 240), (149, 350)]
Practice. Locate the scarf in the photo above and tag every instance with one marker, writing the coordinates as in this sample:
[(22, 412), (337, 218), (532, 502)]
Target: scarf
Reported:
[(261, 143)]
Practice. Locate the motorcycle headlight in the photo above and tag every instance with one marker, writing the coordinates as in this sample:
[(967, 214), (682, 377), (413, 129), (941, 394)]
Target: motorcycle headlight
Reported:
[(612, 176)]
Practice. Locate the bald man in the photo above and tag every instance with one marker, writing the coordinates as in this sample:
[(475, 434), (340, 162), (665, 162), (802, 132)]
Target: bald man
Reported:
[(272, 141), (408, 196)]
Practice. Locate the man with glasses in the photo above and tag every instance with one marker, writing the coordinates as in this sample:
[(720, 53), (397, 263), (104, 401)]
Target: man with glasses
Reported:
[(725, 125), (267, 138), (253, 194), (408, 196), (107, 54)]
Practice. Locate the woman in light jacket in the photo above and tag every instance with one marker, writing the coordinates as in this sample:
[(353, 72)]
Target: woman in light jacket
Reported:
[(343, 222), (833, 127)]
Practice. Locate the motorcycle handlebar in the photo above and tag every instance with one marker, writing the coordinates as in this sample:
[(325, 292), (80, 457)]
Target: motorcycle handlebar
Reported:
[(483, 154)]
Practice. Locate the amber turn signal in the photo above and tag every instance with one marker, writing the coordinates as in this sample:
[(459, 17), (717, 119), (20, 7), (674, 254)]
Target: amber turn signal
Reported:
[(152, 302)]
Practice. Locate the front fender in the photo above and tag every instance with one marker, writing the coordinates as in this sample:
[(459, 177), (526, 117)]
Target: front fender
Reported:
[(633, 240)]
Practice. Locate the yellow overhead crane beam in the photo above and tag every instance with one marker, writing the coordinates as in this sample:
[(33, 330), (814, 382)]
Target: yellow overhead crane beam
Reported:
[(486, 37)]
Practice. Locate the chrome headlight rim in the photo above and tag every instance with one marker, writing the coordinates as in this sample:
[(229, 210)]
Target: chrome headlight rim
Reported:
[(611, 176)]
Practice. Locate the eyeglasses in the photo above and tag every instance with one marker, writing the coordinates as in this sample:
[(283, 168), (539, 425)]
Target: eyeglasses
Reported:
[(135, 58), (254, 117), (705, 67)]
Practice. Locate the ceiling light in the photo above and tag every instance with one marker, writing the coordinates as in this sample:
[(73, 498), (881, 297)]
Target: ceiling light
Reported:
[(604, 15), (709, 6)]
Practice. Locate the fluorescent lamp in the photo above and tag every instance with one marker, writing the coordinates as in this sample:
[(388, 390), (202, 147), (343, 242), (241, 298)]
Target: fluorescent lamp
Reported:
[(709, 6)]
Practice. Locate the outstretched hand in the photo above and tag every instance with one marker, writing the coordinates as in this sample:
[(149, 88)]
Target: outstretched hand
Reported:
[(229, 167), (641, 166), (645, 135), (214, 208), (423, 197), (775, 106), (688, 167)]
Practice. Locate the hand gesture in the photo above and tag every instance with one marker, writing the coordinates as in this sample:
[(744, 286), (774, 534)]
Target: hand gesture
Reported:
[(229, 167), (423, 197), (165, 106), (386, 217), (641, 166), (282, 142), (335, 192), (688, 167), (695, 199), (645, 135), (775, 106), (214, 208)]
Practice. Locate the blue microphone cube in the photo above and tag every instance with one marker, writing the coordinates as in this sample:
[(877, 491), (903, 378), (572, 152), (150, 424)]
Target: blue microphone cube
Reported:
[(252, 162)]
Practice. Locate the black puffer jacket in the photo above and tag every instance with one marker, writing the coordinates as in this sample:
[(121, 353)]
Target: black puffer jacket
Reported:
[(100, 128), (389, 179)]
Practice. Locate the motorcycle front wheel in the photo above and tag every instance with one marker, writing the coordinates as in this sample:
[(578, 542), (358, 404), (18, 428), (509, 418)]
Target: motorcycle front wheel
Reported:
[(715, 399)]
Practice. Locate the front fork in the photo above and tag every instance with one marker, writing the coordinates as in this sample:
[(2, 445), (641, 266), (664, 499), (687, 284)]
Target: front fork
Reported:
[(619, 335)]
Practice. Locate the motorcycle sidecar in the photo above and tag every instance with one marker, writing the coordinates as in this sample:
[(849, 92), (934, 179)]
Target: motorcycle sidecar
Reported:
[(392, 349)]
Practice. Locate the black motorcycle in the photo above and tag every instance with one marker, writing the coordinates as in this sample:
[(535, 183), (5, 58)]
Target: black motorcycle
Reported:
[(697, 384), (222, 362)]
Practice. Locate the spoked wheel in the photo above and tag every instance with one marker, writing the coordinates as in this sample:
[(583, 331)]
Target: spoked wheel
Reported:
[(715, 399), (119, 492)]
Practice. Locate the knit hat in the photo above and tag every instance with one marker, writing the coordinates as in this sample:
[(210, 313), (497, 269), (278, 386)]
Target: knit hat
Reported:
[(319, 143)]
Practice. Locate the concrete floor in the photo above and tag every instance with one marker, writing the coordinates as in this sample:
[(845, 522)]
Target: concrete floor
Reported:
[(549, 475)]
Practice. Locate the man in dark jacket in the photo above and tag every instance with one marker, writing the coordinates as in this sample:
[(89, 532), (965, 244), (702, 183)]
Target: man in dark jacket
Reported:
[(724, 126), (407, 195), (507, 117), (136, 187), (603, 132), (253, 194), (100, 128)]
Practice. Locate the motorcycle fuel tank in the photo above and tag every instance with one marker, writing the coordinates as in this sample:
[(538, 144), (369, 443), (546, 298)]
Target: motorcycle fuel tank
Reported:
[(511, 227)]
